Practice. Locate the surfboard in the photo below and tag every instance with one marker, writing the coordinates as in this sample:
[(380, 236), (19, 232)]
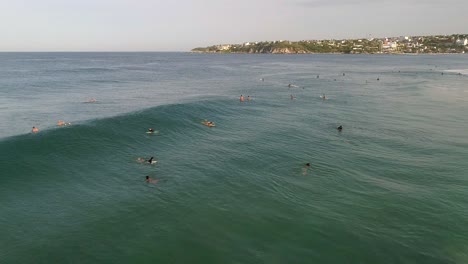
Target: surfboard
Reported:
[(208, 124)]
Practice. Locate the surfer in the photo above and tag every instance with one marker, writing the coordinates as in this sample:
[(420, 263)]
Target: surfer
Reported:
[(289, 85), (150, 161), (148, 179), (324, 97), (62, 123), (340, 128), (208, 123), (150, 130), (241, 98), (305, 169)]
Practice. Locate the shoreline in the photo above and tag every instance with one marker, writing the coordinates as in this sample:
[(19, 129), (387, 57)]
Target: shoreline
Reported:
[(325, 53)]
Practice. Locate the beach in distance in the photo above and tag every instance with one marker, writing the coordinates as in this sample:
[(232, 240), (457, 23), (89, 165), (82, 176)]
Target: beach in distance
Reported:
[(155, 157)]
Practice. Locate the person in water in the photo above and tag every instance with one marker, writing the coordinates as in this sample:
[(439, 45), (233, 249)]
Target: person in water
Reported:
[(340, 128), (150, 130), (35, 130), (148, 179), (248, 98), (208, 123), (305, 169), (150, 161), (241, 98), (62, 123)]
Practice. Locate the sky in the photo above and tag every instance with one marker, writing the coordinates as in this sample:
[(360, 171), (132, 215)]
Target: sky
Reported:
[(180, 25)]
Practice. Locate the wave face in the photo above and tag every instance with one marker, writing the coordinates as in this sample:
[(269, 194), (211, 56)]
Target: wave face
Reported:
[(392, 183)]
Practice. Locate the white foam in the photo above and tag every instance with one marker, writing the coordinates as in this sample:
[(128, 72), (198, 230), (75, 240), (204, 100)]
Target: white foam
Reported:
[(462, 71)]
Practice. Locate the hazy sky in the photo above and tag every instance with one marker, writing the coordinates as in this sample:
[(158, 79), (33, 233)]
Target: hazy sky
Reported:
[(179, 25)]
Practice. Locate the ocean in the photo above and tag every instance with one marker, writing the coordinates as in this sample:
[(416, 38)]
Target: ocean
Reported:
[(391, 187)]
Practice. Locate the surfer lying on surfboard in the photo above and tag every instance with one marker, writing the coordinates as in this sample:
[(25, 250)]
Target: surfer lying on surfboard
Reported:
[(150, 180), (150, 161), (208, 123)]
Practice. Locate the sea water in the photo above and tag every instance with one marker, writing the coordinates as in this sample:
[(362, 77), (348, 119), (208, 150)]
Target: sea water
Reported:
[(391, 187)]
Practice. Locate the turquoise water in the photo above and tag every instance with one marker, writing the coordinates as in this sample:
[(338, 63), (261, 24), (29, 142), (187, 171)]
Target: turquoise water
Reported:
[(390, 188)]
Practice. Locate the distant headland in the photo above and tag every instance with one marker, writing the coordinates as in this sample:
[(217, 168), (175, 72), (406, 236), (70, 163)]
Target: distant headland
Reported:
[(456, 43)]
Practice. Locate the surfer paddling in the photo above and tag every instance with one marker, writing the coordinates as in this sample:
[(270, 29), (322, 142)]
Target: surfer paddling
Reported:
[(148, 179), (62, 123), (306, 169), (208, 123), (143, 160)]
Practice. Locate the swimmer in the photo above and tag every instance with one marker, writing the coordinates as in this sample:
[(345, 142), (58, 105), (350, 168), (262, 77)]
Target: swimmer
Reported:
[(150, 130), (241, 98), (308, 165), (378, 79), (248, 98), (344, 74), (318, 76), (141, 160), (35, 130), (442, 73), (340, 128), (292, 97), (150, 180), (92, 100)]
